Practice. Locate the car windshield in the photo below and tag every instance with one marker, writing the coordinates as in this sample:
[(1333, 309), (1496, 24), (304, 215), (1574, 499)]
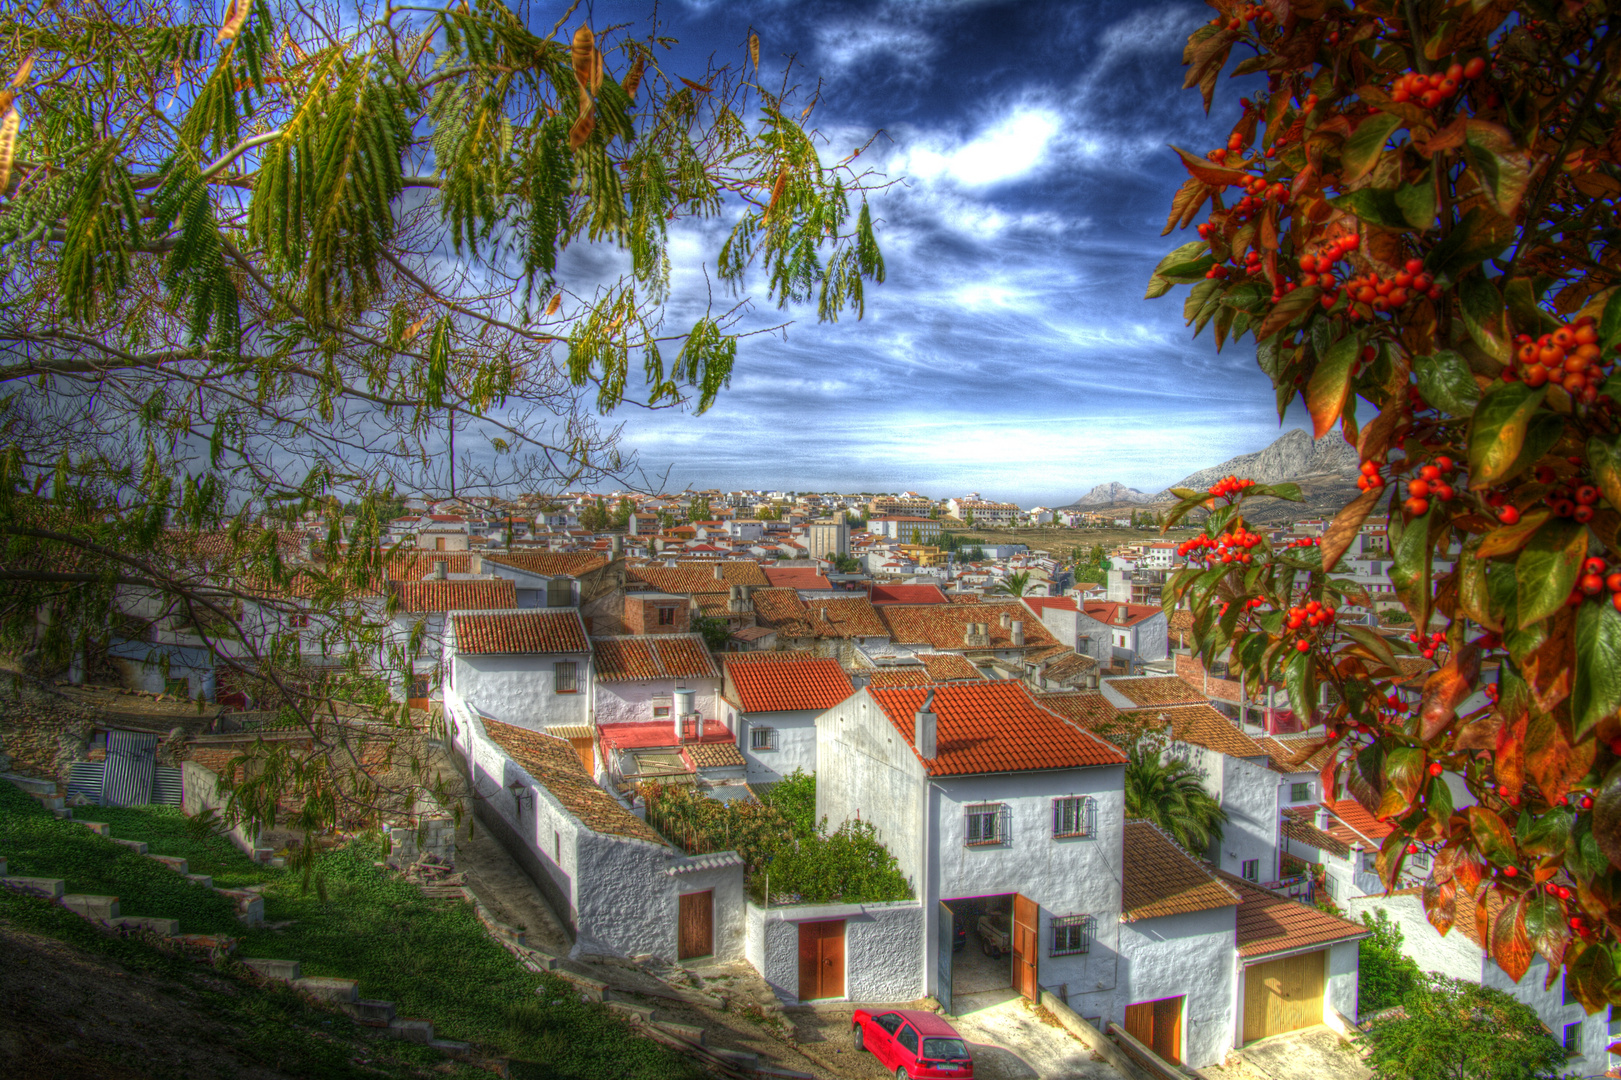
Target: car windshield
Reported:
[(949, 1049)]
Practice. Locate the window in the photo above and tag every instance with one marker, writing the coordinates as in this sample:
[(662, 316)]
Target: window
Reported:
[(666, 616), (1074, 816), (984, 824), (1251, 870), (565, 676), (661, 712), (1419, 860), (1072, 935), (298, 621), (1573, 1039), (890, 1022), (420, 687), (908, 1039), (945, 1050), (762, 738), (1300, 792)]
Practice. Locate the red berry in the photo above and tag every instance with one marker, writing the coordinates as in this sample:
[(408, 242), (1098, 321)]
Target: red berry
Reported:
[(1475, 68), (1511, 871), (1587, 802), (1436, 768), (1592, 584), (1302, 646), (1593, 566), (1508, 515), (1412, 849)]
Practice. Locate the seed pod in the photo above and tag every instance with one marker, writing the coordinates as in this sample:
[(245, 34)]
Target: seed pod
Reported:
[(236, 16), (585, 46), (582, 128), (9, 125), (776, 190), (556, 303), (634, 78), (23, 69), (754, 50)]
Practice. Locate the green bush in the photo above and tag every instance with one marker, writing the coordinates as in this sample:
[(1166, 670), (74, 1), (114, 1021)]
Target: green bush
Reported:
[(1388, 976), (848, 865), (1450, 1028), (795, 798)]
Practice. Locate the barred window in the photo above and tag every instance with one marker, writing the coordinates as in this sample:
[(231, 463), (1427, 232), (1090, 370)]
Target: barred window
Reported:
[(1072, 935), (985, 824), (1075, 816), (762, 738), (1299, 792), (565, 676)]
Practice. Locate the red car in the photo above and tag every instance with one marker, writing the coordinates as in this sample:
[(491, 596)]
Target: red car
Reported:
[(912, 1044)]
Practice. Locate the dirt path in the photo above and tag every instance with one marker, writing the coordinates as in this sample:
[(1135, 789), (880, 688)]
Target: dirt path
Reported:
[(507, 891)]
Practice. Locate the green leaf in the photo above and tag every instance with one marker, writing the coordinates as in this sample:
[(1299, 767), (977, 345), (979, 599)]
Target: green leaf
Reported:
[(1410, 566), (1545, 926), (1609, 324), (1186, 273), (1498, 431), (1404, 772), (1596, 691), (1287, 491), (1483, 316), (1504, 169), (1447, 383), (1541, 433), (1287, 310), (1374, 206), (1331, 383), (1523, 309), (1374, 643), (1548, 834), (1362, 150), (1481, 235), (1547, 569), (1300, 677), (1417, 204), (1492, 836), (1196, 297), (1604, 459), (1185, 253)]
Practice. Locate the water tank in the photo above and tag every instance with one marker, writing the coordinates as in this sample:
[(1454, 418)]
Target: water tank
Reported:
[(685, 702)]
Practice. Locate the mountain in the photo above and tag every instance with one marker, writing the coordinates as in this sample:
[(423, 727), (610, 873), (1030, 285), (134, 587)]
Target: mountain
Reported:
[(1112, 495), (1325, 469)]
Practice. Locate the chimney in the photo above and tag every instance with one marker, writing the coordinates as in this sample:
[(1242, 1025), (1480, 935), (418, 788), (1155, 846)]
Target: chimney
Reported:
[(441, 569), (969, 632), (923, 728), (475, 564), (824, 614), (720, 574), (616, 546), (1006, 619), (1017, 627)]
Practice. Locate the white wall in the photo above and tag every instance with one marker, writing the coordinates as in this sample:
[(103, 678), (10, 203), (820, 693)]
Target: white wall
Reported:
[(632, 702), (795, 744), (1344, 970), (1154, 637), (1249, 794), (866, 770), (883, 948), (1190, 956), (519, 688)]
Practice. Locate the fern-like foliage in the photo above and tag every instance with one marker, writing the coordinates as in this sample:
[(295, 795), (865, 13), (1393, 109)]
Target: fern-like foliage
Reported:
[(195, 272)]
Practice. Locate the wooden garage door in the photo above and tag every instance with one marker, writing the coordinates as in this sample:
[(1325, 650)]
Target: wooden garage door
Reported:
[(1026, 946), (1158, 1026), (696, 917), (1283, 995), (821, 960)]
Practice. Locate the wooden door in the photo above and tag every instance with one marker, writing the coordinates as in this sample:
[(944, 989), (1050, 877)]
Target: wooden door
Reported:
[(696, 935), (1158, 1026), (1283, 995), (586, 750), (419, 696), (821, 960), (1026, 946)]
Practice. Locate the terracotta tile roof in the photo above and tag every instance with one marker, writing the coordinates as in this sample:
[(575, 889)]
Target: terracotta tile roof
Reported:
[(949, 667), (414, 565), (1182, 620), (531, 630), (689, 577), (1200, 725), (1355, 825), (477, 595), (715, 755), (1159, 878), (1268, 923), (1299, 825), (1415, 670), (801, 684), (551, 563), (1040, 604), (1115, 614), (553, 764), (906, 594), (1193, 672), (842, 617), (1067, 665), (964, 598), (795, 577), (901, 676), (1088, 708), (943, 625), (1297, 755), (660, 656), (772, 655), (991, 727), (1147, 690)]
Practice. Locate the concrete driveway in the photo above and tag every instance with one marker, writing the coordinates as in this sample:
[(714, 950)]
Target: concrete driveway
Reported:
[(1012, 1039), (1314, 1053)]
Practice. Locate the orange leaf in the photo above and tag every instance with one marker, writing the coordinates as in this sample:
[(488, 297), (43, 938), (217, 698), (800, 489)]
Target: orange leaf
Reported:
[(413, 330), (1508, 763), (21, 76), (700, 87), (1440, 903), (1209, 171), (777, 189), (1510, 945), (634, 78), (10, 124), (1553, 762), (1446, 689), (754, 50), (1346, 525), (582, 128)]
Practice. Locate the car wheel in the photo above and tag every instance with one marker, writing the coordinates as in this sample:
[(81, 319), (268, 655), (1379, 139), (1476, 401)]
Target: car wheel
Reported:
[(902, 1074), (996, 952), (858, 1037)]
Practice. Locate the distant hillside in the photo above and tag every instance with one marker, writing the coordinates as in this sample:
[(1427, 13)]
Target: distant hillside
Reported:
[(1325, 470)]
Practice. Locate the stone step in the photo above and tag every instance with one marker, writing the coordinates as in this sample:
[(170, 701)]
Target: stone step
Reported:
[(284, 970), (746, 1060), (646, 1014), (137, 846), (452, 1047), (690, 1032), (51, 802), (418, 1031), (51, 888), (173, 862), (263, 854), (593, 989), (227, 945), (369, 1012), (152, 924), (101, 828), (339, 990), (91, 907), (205, 880), (250, 906), (30, 784)]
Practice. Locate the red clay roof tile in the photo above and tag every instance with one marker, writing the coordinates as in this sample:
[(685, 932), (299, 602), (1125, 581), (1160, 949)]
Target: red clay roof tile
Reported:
[(661, 656), (944, 625), (1269, 923), (801, 684), (475, 595), (1159, 878), (534, 630)]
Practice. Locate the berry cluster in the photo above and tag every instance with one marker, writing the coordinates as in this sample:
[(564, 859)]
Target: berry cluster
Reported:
[(1228, 548), (1318, 269), (1387, 294), (1428, 91), (1596, 580), (1569, 501), (1429, 642), (1430, 483), (1570, 357), (1308, 617), (1305, 541), (1507, 514), (1370, 477), (1251, 265), (1232, 485)]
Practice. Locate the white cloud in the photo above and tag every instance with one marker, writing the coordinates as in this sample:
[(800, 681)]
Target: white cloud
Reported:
[(1014, 147)]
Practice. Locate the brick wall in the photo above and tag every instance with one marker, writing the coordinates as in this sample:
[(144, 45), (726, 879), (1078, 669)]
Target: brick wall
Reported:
[(642, 616)]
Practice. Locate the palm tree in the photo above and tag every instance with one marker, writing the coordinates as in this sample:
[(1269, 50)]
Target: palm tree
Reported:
[(1168, 793), (1015, 584)]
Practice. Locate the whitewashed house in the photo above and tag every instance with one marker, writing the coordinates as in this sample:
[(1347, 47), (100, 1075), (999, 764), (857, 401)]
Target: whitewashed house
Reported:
[(1119, 635), (529, 668), (773, 704), (417, 625), (993, 806)]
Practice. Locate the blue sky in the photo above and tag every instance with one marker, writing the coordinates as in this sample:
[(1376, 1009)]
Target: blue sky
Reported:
[(1010, 351)]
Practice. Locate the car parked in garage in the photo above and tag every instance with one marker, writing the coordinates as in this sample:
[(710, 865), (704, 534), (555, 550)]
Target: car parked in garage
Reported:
[(913, 1044)]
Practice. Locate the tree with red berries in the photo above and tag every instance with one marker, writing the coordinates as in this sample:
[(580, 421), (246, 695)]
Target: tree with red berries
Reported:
[(1424, 247)]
